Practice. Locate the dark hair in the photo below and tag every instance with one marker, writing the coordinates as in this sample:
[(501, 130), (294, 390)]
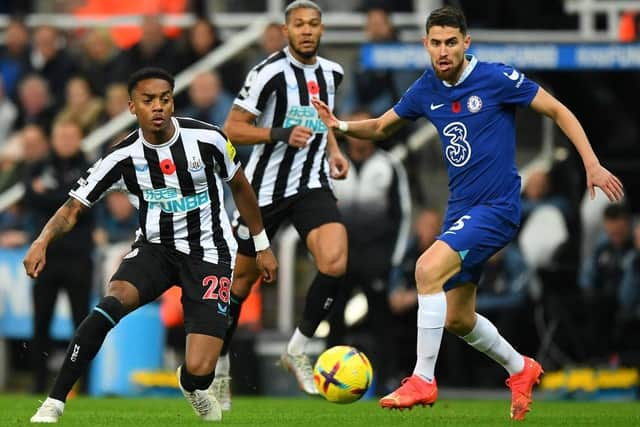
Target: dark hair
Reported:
[(301, 4), (616, 211), (447, 16), (149, 73)]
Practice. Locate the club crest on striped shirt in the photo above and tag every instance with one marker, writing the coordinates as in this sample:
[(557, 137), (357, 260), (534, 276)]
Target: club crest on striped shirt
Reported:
[(195, 164)]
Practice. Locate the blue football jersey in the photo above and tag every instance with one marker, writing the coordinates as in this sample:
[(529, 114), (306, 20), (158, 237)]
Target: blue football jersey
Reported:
[(476, 122)]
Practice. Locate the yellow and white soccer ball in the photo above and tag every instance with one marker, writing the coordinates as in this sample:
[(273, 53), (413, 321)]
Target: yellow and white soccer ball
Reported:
[(342, 374)]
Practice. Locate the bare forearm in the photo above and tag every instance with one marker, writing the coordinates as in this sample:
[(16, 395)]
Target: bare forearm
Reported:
[(245, 133), (61, 222), (368, 129), (571, 127)]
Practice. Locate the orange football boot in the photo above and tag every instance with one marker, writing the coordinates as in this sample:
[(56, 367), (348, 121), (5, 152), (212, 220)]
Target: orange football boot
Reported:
[(414, 390), (521, 385)]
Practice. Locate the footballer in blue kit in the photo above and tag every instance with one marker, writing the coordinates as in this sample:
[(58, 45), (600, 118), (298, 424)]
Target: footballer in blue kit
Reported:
[(476, 122), (472, 104)]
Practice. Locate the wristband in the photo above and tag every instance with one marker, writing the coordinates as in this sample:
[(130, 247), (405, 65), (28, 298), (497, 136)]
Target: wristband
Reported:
[(343, 126), (280, 134), (261, 241)]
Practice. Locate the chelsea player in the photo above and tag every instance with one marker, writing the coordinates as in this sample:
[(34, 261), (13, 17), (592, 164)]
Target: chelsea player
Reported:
[(472, 104)]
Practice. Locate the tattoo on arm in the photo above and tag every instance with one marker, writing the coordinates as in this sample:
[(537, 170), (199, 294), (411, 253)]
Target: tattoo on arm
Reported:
[(63, 220)]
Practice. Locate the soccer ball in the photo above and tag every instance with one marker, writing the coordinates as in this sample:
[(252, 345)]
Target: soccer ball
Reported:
[(342, 374)]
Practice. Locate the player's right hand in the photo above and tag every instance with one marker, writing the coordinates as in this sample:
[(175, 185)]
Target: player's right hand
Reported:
[(267, 264), (35, 259), (300, 136), (325, 114)]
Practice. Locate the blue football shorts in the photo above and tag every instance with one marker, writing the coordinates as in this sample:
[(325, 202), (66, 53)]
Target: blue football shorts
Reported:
[(476, 236)]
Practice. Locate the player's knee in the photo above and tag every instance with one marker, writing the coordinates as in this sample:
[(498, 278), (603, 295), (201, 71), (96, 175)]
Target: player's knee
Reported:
[(459, 324), (428, 277), (242, 283), (334, 265), (125, 293), (200, 364)]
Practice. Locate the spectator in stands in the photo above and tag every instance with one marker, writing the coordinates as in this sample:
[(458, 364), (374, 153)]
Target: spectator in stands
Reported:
[(627, 328), (13, 226), (98, 60), (153, 49), (50, 59), (117, 220), (272, 41), (21, 152), (375, 90), (35, 146), (601, 279), (81, 106), (34, 103), (10, 155), (375, 203), (202, 39), (116, 101), (46, 189), (8, 114), (208, 100), (537, 192), (14, 54)]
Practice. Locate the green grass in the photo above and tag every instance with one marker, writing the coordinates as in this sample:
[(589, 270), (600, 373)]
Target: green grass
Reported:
[(15, 410)]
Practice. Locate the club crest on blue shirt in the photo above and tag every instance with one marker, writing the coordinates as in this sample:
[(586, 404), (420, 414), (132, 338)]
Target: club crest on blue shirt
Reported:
[(474, 104)]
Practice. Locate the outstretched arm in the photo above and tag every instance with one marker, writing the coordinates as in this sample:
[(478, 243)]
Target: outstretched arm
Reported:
[(597, 175), (60, 223), (247, 205), (241, 129), (373, 129)]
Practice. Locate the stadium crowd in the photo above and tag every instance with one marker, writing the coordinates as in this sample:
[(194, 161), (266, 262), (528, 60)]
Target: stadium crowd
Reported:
[(556, 292)]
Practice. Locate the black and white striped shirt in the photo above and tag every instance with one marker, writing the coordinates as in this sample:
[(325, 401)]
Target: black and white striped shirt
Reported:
[(176, 187), (278, 92)]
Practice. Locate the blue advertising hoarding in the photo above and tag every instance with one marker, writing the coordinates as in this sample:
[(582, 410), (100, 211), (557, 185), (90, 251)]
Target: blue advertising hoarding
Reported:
[(529, 56)]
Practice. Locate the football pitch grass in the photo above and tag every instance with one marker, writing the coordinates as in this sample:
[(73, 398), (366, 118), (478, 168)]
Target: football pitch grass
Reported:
[(15, 410)]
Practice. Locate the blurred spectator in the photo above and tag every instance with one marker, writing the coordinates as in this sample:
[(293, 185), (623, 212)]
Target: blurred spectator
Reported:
[(14, 54), (602, 276), (21, 152), (375, 90), (117, 220), (35, 146), (537, 192), (12, 227), (10, 156), (374, 200), (8, 114), (35, 106), (153, 49), (81, 106), (98, 60), (209, 101), (47, 188), (272, 40), (49, 59), (202, 39), (627, 333)]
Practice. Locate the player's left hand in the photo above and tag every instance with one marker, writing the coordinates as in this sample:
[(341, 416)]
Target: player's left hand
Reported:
[(267, 264), (598, 176), (338, 165)]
